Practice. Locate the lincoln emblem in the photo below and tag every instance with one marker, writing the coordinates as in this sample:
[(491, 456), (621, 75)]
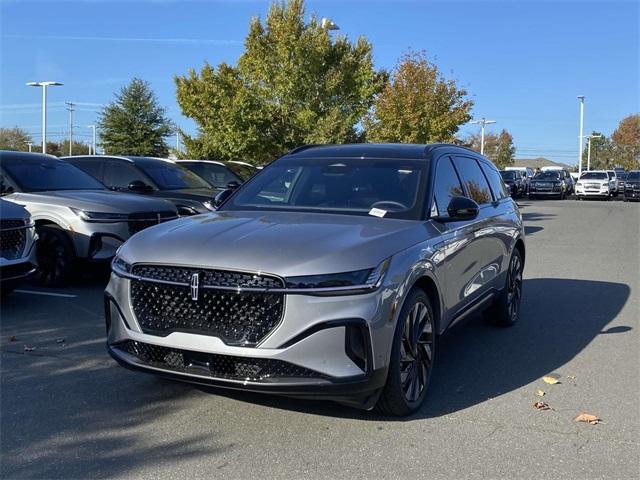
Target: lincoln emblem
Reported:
[(195, 284)]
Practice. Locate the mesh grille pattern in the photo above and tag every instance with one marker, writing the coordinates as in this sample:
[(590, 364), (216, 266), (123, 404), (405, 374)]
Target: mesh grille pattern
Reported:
[(141, 220), (218, 278), (226, 367), (11, 223), (236, 318), (12, 242)]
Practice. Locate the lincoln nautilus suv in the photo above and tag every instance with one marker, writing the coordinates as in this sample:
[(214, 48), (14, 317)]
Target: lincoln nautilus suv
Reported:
[(330, 274)]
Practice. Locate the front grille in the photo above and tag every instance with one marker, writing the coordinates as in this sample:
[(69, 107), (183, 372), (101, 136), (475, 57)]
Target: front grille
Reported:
[(140, 220), (12, 241), (227, 367), (237, 318)]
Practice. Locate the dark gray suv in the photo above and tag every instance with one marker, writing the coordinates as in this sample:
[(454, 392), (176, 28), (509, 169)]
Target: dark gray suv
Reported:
[(331, 273)]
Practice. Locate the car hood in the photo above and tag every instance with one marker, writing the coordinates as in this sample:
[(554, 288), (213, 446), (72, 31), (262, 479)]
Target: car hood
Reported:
[(193, 198), (95, 201), (12, 211), (286, 244)]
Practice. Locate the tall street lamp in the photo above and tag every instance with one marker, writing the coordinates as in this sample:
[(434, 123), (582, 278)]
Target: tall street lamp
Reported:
[(580, 137), (482, 122), (44, 86), (93, 139)]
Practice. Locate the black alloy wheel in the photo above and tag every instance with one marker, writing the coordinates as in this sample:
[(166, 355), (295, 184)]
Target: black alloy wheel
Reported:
[(505, 312), (55, 257), (412, 357)]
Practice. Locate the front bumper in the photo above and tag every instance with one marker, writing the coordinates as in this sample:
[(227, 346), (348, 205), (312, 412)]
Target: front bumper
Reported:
[(19, 268), (631, 194), (323, 347), (584, 192)]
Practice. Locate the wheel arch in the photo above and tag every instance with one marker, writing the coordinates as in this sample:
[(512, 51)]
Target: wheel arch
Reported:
[(519, 245), (429, 286), (47, 222)]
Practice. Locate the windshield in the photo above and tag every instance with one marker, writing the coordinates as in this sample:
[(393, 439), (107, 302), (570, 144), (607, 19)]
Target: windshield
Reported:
[(245, 172), (40, 173), (633, 176), (594, 176), (347, 186), (214, 173), (547, 176), (169, 176), (508, 174)]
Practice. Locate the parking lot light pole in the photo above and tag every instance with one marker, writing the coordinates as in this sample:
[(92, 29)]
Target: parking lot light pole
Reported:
[(589, 150), (580, 137), (93, 139), (44, 86), (482, 122)]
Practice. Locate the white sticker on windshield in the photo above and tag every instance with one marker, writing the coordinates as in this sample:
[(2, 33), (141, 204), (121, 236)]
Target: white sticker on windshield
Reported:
[(377, 212)]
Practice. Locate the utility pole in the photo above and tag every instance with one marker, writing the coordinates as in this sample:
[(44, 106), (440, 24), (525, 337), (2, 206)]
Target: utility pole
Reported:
[(70, 110), (44, 86), (93, 140), (29, 144), (177, 142), (589, 150), (580, 137), (482, 122)]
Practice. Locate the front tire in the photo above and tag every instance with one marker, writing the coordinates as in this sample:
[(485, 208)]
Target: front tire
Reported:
[(505, 312), (412, 356), (55, 257)]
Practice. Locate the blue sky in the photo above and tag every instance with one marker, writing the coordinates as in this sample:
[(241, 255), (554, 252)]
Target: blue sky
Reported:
[(523, 62)]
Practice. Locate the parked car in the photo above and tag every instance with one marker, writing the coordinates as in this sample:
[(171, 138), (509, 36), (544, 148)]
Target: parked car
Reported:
[(622, 177), (153, 177), (526, 172), (515, 181), (245, 168), (613, 181), (632, 186), (594, 183), (17, 245), (376, 250), (550, 183), (76, 217), (217, 173)]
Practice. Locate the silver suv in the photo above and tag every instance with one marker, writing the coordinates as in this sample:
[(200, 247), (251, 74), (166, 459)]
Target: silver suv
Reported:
[(331, 273), (17, 245), (76, 217)]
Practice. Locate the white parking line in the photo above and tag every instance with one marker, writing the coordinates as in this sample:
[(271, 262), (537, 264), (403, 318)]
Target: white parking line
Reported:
[(49, 294)]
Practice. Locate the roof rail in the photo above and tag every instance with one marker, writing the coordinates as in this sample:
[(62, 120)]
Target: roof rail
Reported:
[(303, 147)]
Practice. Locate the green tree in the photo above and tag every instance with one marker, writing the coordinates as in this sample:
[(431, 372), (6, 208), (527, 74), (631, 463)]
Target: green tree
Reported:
[(602, 157), (79, 148), (418, 105), (14, 139), (505, 152), (135, 124), (294, 84), (626, 142)]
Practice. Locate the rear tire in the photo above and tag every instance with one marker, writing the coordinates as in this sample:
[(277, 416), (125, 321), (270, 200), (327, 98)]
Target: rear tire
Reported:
[(55, 257), (412, 356), (505, 312)]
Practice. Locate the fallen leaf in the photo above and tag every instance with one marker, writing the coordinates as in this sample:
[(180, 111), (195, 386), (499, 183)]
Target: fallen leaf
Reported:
[(12, 338), (551, 379), (27, 348), (540, 393), (572, 377), (587, 418), (541, 406)]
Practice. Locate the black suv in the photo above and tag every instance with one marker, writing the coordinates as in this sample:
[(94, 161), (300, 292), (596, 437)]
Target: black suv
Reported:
[(155, 177), (632, 186)]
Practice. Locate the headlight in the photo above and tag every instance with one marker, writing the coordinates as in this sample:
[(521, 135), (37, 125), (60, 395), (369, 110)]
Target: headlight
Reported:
[(579, 184), (118, 265), (358, 281), (100, 216)]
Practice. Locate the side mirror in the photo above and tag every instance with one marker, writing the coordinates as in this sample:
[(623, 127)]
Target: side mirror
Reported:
[(461, 209), (222, 197), (138, 186)]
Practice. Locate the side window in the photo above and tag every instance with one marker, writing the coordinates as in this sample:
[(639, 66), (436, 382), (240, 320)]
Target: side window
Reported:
[(120, 174), (474, 179), (446, 186), (495, 181), (91, 166)]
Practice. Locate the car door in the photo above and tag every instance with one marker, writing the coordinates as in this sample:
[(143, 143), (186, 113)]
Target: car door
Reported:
[(473, 268)]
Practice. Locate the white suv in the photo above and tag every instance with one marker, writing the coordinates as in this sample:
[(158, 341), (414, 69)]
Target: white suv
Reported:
[(595, 183)]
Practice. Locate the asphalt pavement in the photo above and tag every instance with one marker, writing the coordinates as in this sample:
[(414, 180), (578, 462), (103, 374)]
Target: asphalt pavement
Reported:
[(68, 411)]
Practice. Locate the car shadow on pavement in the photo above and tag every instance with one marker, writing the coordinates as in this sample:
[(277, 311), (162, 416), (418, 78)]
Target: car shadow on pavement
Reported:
[(477, 361), (531, 229)]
